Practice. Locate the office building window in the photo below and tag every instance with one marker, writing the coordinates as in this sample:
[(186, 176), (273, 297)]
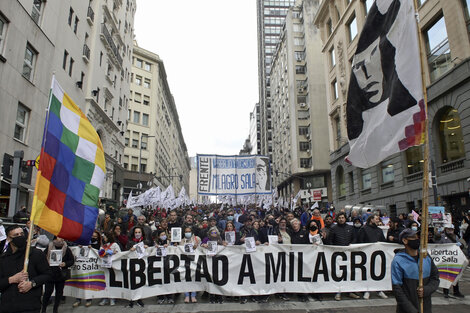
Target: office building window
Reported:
[(334, 90), (146, 100), (136, 117), (329, 27), (145, 119), (368, 5), (126, 162), (147, 83), (351, 182), (148, 66), (340, 182), (70, 16), (352, 28), (135, 164), (37, 10), (138, 63), (304, 145), (438, 49), (143, 144), (138, 80), (337, 130), (3, 31), (138, 97), (300, 69), (71, 67), (366, 179), (414, 160), (305, 162), (421, 2), (332, 57), (75, 25), (126, 141), (143, 165), (29, 62), (64, 61), (450, 136), (21, 124), (303, 130), (388, 173)]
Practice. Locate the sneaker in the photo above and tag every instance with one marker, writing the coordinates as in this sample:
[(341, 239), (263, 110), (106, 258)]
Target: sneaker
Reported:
[(140, 303), (338, 296), (88, 303), (130, 305), (161, 301), (243, 300), (112, 302), (76, 303), (382, 295), (366, 295), (353, 295), (103, 302), (283, 297), (171, 301)]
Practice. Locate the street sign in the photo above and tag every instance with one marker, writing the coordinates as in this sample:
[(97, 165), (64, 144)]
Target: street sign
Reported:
[(317, 195)]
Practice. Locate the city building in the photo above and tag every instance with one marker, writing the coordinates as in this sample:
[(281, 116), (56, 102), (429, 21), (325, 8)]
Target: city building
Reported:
[(300, 157), (271, 15), (396, 183), (155, 153), (87, 45), (255, 131)]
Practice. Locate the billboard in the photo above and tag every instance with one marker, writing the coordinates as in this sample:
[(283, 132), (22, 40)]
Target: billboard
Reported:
[(233, 175)]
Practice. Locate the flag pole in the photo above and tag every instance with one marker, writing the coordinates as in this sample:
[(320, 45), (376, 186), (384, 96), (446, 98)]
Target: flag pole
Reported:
[(31, 217), (424, 209)]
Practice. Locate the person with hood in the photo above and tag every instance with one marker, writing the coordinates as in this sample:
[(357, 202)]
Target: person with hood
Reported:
[(449, 236), (20, 291), (405, 275), (59, 273)]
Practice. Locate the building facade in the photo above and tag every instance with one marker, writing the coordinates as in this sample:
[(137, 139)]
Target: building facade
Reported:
[(87, 45), (255, 131), (155, 153), (300, 141), (396, 183), (271, 15)]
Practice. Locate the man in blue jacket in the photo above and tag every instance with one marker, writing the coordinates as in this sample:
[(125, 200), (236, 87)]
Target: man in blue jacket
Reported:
[(405, 276)]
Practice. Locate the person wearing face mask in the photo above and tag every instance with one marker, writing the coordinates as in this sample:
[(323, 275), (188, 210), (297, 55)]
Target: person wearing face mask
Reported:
[(405, 275), (230, 217), (190, 238), (59, 273), (449, 236), (357, 224), (20, 291), (394, 231)]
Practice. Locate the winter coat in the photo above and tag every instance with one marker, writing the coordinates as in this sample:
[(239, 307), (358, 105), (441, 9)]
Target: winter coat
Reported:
[(39, 271), (341, 235), (370, 233), (405, 281)]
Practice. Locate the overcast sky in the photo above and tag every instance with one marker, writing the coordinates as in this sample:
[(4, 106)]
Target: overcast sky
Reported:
[(209, 48)]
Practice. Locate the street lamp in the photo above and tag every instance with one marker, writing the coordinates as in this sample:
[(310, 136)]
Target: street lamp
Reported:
[(140, 159)]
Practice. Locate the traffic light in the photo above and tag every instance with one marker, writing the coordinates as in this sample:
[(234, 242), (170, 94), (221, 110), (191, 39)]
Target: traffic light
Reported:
[(28, 163)]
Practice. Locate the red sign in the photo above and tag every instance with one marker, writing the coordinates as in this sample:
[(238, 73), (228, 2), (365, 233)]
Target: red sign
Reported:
[(317, 195)]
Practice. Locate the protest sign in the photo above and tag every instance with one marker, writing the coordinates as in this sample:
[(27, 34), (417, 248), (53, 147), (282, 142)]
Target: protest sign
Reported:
[(269, 270)]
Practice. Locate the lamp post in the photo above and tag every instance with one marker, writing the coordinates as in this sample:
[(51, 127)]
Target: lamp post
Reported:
[(140, 159)]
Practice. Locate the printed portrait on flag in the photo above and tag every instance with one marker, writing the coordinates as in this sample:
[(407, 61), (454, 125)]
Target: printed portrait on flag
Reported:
[(385, 86), (262, 174)]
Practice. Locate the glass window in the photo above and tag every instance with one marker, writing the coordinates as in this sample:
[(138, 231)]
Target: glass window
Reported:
[(368, 5), (138, 63), (414, 160), (366, 180), (147, 83), (303, 130), (138, 97), (145, 119), (148, 66), (21, 124), (466, 11), (305, 162), (37, 9), (334, 89), (136, 117), (64, 61), (388, 174), (300, 69), (438, 49), (352, 28), (135, 143), (70, 16), (298, 41), (340, 183), (450, 136), (126, 141), (351, 182), (146, 100), (420, 2), (29, 62), (338, 131), (329, 27), (71, 67), (304, 145), (138, 80), (3, 31), (332, 57), (75, 25)]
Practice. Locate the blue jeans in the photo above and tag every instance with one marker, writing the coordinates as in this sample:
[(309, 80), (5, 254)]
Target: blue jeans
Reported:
[(190, 294)]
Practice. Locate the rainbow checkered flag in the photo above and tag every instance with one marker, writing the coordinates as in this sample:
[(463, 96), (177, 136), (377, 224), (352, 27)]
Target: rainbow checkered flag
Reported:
[(71, 171)]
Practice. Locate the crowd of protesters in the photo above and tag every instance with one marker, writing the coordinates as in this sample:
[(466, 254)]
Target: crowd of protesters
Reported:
[(123, 229)]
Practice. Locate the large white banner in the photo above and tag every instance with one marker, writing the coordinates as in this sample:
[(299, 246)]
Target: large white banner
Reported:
[(233, 175), (234, 272)]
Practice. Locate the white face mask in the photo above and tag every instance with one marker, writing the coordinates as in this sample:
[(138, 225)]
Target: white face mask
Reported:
[(163, 237), (187, 235), (414, 228), (138, 236)]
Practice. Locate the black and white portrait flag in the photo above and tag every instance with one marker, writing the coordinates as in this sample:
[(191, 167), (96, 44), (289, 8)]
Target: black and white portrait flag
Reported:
[(385, 107)]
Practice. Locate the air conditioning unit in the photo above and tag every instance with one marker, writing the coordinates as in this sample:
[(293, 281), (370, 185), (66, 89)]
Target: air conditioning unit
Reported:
[(307, 136), (303, 105), (308, 150)]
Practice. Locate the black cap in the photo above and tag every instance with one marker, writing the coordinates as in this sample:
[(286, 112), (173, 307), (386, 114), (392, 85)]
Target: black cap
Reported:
[(406, 233)]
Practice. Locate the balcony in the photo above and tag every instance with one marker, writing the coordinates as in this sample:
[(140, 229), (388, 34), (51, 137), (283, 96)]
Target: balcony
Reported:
[(90, 16), (439, 60), (111, 45), (452, 166), (86, 53)]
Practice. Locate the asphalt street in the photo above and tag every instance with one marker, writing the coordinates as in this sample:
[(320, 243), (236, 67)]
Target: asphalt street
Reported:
[(327, 304)]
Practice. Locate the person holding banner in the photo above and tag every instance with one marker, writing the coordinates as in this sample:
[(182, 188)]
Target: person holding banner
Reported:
[(59, 273), (190, 239), (111, 247), (405, 275), (21, 291)]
